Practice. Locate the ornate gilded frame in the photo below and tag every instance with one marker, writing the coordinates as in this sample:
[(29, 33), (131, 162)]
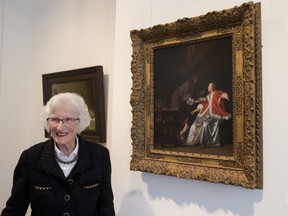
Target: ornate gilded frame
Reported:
[(245, 166)]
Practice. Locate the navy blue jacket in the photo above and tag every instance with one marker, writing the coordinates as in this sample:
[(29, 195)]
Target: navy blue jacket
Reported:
[(39, 181)]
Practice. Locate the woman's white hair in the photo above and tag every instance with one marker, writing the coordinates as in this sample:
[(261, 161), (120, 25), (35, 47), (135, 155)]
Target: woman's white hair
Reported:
[(63, 98)]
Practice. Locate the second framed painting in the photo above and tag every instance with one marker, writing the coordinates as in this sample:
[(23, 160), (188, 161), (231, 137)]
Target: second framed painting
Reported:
[(196, 97), (87, 82)]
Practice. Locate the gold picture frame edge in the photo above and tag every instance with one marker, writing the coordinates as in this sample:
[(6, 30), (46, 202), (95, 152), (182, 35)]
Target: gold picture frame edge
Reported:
[(247, 168)]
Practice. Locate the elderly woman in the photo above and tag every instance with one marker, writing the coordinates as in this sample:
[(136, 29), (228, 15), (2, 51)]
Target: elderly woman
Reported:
[(64, 175)]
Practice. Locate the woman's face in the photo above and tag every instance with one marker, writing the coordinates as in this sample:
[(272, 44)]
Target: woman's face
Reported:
[(210, 87), (64, 132)]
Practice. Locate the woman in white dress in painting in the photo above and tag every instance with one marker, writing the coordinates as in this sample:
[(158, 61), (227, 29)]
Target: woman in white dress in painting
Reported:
[(205, 128)]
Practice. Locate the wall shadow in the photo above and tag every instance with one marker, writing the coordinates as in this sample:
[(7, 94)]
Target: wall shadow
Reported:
[(208, 196), (134, 203)]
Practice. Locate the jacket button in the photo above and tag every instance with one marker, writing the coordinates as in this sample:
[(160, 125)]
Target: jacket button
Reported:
[(66, 214), (66, 198), (70, 181)]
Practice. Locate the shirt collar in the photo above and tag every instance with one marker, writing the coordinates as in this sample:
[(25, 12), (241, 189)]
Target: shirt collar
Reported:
[(61, 154)]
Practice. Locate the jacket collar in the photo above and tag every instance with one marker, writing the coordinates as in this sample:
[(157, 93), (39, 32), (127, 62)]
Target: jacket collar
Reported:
[(84, 161), (49, 165)]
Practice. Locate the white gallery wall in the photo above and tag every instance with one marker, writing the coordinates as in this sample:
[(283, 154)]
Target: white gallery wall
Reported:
[(40, 36)]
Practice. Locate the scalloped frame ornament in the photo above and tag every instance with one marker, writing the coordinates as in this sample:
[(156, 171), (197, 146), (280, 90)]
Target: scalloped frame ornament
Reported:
[(245, 166)]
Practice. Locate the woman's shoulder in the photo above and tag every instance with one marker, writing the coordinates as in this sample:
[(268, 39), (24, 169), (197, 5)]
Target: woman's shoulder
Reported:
[(38, 146), (94, 150), (36, 149), (92, 146), (32, 154)]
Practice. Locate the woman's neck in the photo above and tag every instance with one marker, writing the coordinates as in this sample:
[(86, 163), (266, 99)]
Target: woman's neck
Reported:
[(66, 149)]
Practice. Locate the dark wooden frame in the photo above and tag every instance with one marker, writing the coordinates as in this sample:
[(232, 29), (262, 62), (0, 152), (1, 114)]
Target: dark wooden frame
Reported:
[(245, 166), (92, 75)]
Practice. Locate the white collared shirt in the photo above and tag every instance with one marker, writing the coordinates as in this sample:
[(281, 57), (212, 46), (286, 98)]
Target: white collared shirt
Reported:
[(66, 168)]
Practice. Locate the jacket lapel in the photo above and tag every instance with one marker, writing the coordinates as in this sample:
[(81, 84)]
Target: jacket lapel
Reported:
[(84, 161), (47, 162)]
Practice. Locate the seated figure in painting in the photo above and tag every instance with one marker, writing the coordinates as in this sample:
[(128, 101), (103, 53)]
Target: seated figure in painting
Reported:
[(183, 99), (211, 112)]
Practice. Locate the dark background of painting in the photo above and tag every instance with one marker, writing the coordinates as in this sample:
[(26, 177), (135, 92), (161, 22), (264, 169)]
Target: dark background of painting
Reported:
[(210, 59)]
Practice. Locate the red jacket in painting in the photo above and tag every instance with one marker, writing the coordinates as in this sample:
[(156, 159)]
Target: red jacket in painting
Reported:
[(214, 105)]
